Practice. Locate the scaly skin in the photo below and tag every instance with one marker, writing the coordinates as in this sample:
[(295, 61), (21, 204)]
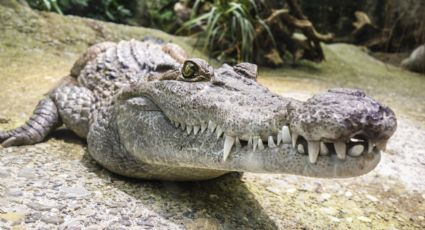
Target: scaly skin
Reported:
[(149, 112)]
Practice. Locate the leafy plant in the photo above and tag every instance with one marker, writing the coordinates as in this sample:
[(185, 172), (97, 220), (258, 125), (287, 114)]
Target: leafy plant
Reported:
[(228, 27), (110, 10)]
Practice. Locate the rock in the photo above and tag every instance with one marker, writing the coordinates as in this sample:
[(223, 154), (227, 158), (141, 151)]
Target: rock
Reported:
[(44, 207), (324, 196), (94, 227), (364, 219), (75, 192), (372, 198), (52, 219), (32, 217), (4, 173), (416, 61), (28, 173), (14, 192), (348, 194), (125, 223), (329, 211)]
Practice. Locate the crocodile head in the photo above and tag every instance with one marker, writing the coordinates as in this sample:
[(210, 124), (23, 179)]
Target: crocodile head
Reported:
[(200, 118)]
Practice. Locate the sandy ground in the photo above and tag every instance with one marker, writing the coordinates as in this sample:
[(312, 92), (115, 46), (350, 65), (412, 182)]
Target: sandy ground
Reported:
[(56, 185)]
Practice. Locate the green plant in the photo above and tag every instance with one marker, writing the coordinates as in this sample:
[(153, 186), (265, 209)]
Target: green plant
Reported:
[(48, 5), (227, 28), (110, 10)]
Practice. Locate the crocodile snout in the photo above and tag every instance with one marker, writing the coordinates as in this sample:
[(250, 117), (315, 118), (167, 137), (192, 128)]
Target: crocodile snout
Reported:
[(341, 121)]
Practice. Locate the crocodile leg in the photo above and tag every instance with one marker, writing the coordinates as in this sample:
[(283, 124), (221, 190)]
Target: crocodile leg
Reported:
[(75, 105), (71, 105), (44, 119)]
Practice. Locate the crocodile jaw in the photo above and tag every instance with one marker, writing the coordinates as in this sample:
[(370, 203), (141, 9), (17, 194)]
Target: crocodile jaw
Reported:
[(169, 145)]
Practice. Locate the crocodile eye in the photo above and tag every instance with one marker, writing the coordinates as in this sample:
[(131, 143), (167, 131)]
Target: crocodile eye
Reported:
[(190, 69)]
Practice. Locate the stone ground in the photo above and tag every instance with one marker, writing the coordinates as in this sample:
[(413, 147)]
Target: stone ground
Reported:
[(56, 185)]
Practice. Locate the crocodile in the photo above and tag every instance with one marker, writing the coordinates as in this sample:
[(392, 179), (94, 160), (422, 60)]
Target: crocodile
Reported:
[(150, 112)]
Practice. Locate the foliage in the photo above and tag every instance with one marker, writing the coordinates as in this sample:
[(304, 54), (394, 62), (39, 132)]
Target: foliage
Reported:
[(229, 25), (156, 14), (109, 10)]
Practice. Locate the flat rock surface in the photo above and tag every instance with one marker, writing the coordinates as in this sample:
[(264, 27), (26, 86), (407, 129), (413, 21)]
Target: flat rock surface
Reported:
[(56, 185)]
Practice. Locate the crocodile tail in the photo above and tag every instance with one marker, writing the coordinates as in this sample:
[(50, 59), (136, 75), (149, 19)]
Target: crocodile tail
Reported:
[(44, 119)]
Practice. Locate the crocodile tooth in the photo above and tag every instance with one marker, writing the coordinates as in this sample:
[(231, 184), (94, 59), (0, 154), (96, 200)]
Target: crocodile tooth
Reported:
[(270, 142), (300, 149), (340, 149), (176, 124), (211, 126), (286, 135), (189, 129), (279, 138), (228, 143), (196, 129), (313, 150), (183, 127), (255, 143), (356, 150), (219, 132), (260, 144), (369, 146), (323, 149), (203, 127), (250, 141), (381, 145), (294, 139), (237, 142)]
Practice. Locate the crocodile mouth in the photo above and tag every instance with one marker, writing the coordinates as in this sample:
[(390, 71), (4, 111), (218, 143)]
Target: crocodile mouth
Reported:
[(358, 145)]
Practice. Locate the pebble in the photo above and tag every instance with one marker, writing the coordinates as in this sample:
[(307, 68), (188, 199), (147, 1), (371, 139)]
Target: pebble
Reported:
[(41, 207), (372, 198), (364, 219), (75, 192), (330, 211), (94, 227), (273, 190), (28, 173), (52, 219), (32, 217), (348, 194), (324, 197), (125, 222), (291, 190), (4, 173), (15, 192)]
